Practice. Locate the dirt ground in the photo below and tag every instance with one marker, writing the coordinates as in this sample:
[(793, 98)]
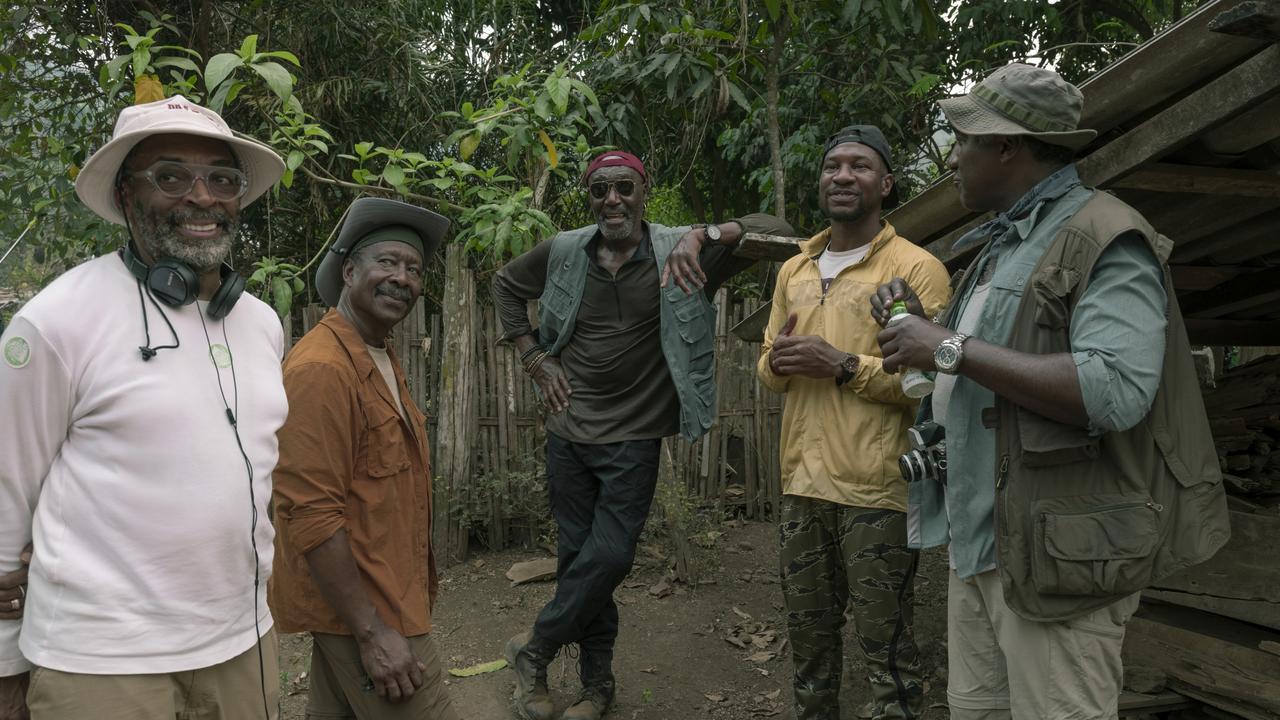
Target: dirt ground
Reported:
[(714, 651)]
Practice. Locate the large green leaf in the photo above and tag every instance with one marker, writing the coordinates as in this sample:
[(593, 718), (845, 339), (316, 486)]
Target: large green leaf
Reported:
[(219, 68), (278, 79)]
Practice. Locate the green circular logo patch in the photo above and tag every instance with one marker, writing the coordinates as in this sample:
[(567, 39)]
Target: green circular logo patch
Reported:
[(17, 352), (221, 355)]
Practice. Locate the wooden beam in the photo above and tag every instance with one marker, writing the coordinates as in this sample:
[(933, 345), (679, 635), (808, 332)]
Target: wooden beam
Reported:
[(1258, 612), (1247, 333), (1167, 177), (1209, 658), (751, 329), (1258, 19), (1260, 236), (1234, 92), (1246, 292), (1191, 278), (1185, 55), (1244, 86), (768, 247)]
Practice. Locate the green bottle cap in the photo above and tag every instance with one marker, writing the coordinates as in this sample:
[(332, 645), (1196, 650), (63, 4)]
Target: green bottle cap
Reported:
[(898, 308)]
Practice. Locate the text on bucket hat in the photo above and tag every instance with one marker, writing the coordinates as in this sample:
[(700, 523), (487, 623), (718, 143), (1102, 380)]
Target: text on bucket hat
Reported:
[(178, 116)]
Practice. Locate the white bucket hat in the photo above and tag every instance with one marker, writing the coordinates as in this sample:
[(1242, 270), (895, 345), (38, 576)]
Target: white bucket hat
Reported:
[(96, 182)]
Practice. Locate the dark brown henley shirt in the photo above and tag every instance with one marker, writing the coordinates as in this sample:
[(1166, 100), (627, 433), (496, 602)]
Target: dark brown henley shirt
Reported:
[(622, 389)]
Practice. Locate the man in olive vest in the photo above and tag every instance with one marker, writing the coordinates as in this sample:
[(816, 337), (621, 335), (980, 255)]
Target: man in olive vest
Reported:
[(623, 356), (1079, 464)]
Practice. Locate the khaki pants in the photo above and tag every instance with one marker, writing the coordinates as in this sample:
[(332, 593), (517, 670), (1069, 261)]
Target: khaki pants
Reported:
[(231, 690), (338, 683), (1001, 665)]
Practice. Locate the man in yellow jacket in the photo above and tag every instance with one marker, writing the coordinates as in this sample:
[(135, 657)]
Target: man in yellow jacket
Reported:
[(843, 514)]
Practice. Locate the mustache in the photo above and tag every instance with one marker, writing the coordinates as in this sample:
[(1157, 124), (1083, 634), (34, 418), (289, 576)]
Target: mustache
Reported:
[(394, 291), (195, 215)]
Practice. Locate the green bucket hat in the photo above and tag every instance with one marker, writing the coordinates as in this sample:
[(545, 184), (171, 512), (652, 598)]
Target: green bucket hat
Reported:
[(1022, 99)]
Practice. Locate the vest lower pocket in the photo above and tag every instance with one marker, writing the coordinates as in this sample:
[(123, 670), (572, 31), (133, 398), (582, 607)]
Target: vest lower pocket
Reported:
[(1093, 545), (1045, 442)]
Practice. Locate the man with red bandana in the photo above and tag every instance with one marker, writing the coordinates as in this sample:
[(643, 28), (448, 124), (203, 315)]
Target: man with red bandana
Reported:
[(623, 356)]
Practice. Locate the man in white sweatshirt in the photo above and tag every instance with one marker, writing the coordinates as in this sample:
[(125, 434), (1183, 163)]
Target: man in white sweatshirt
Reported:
[(144, 392)]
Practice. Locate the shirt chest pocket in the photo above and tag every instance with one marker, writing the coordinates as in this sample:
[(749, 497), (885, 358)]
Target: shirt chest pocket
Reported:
[(386, 448)]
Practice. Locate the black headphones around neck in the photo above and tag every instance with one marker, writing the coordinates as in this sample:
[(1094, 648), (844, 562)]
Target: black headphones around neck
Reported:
[(175, 284)]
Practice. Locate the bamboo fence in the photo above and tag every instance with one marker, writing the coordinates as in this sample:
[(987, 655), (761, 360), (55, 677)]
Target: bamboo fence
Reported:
[(487, 435)]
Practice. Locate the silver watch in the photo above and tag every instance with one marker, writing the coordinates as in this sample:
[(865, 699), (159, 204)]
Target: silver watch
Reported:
[(949, 354), (712, 232)]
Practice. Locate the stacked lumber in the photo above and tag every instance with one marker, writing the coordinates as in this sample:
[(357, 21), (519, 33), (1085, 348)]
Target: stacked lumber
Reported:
[(1214, 629), (1244, 416)]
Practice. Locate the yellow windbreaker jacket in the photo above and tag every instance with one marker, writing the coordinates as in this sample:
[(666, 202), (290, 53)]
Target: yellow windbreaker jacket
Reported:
[(842, 443)]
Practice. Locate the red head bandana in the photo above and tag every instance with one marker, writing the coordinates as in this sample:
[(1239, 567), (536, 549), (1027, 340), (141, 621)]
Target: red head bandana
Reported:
[(614, 158)]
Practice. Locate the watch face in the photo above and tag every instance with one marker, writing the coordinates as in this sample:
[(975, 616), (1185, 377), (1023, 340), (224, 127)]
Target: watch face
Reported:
[(713, 233), (946, 357)]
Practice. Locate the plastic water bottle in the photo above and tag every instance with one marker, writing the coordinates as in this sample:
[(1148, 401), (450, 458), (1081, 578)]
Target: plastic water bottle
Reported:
[(915, 383)]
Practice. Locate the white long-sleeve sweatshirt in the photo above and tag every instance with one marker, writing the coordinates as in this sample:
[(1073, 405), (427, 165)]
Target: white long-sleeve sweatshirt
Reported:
[(128, 476)]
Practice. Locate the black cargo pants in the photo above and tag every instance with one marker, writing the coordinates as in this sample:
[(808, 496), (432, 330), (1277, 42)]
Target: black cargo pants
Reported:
[(600, 497)]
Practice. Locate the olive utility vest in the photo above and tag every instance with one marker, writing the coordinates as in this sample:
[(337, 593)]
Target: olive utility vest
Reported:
[(687, 323), (1082, 520)]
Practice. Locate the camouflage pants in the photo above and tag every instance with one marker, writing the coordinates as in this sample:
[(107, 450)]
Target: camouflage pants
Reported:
[(833, 556)]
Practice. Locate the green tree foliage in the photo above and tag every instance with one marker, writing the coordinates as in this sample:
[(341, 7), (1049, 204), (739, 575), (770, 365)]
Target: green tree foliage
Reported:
[(487, 112)]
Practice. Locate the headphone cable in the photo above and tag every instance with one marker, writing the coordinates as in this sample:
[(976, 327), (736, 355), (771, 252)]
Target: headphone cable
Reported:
[(233, 418)]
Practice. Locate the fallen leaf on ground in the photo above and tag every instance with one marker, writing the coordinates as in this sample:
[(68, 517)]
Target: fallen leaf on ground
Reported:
[(480, 669), (741, 614), (661, 589), (532, 570), (761, 657), (714, 697), (773, 695)]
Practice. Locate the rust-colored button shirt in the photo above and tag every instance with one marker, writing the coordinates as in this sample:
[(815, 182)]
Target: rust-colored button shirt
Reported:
[(348, 460)]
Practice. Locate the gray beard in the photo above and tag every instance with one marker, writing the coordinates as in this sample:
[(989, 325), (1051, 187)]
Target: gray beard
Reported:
[(622, 233), (161, 238)]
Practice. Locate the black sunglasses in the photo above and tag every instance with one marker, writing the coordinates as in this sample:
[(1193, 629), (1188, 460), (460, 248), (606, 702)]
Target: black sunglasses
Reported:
[(600, 188)]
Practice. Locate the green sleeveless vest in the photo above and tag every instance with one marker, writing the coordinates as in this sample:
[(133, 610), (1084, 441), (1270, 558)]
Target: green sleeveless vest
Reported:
[(1082, 521), (687, 324)]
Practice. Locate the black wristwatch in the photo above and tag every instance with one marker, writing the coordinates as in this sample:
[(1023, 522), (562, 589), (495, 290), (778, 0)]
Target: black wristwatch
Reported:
[(712, 231), (848, 368)]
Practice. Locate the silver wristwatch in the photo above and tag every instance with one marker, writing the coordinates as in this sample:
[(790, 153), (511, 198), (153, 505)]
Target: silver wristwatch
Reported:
[(949, 354), (712, 232)]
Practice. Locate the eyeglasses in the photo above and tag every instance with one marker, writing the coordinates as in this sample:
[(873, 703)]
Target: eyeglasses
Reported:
[(600, 188), (175, 179)]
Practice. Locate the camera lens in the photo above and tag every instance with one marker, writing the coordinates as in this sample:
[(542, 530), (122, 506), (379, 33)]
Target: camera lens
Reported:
[(911, 466)]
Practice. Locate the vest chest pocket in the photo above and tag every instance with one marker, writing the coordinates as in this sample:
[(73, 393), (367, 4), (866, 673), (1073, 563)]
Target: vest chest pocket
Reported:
[(691, 319), (1052, 288), (557, 296), (1093, 545)]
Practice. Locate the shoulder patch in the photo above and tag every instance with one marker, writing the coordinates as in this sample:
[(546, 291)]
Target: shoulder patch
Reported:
[(17, 352)]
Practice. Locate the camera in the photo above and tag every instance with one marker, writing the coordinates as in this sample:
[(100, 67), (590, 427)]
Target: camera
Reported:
[(927, 458)]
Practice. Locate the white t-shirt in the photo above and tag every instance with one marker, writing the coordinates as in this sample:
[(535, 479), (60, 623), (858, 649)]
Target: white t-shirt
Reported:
[(128, 476), (830, 262)]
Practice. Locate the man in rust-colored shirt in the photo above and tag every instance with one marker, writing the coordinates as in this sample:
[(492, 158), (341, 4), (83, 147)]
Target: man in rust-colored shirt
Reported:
[(353, 489)]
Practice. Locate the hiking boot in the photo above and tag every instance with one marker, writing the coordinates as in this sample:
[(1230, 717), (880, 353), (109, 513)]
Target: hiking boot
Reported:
[(596, 671), (528, 656)]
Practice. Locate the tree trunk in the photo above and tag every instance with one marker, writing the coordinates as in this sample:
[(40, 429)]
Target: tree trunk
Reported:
[(775, 132)]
